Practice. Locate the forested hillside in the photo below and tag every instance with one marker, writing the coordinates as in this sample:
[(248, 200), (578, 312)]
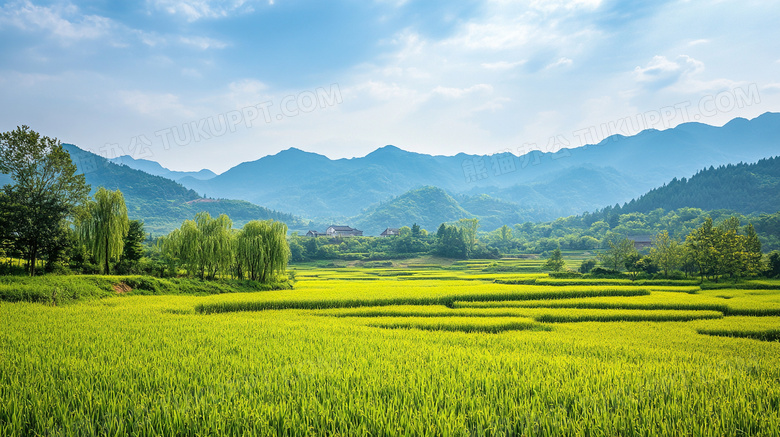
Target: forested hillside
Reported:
[(546, 185), (745, 188), (429, 207), (592, 231), (162, 203)]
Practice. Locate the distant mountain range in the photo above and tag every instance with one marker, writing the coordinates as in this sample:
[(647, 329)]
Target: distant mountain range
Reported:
[(743, 188), (161, 203), (392, 188), (154, 168), (543, 185)]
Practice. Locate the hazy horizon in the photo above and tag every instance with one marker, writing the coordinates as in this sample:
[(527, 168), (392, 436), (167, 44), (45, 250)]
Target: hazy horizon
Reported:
[(210, 84)]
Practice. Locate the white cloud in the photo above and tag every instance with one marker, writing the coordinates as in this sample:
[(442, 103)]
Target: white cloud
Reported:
[(661, 72), (494, 105), (680, 75), (456, 93), (501, 65), (30, 80), (64, 22), (69, 26), (771, 88), (242, 93), (155, 105), (193, 10), (202, 43), (384, 91), (568, 5), (697, 42), (563, 62)]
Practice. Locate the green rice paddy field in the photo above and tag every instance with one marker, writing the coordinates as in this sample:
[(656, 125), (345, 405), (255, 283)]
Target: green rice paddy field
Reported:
[(408, 350)]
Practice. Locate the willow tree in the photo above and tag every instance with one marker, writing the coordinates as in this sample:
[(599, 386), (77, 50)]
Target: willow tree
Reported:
[(203, 246), (666, 252), (262, 250), (103, 225), (216, 244), (181, 248)]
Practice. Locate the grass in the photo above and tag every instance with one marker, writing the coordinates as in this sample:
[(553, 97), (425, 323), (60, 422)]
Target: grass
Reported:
[(465, 324), (547, 315), (58, 290), (430, 292), (767, 335), (344, 355), (728, 302)]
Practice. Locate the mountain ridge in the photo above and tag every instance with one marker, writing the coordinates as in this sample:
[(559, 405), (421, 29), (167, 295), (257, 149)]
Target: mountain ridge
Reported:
[(163, 204), (154, 168), (312, 185)]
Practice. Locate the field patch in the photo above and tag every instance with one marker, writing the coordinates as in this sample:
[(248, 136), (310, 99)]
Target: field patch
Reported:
[(342, 354), (460, 324), (768, 335), (424, 294)]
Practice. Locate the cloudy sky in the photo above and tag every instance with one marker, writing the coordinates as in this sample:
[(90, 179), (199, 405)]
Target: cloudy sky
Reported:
[(212, 83)]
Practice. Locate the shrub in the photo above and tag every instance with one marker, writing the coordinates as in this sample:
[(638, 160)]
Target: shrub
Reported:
[(600, 272)]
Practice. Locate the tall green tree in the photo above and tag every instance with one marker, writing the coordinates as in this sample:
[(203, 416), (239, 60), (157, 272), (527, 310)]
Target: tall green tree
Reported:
[(204, 246), (451, 242), (617, 253), (555, 262), (262, 251), (701, 245), (45, 191), (506, 234), (216, 240), (720, 250), (470, 227), (103, 227), (728, 247), (752, 256), (666, 252), (773, 261), (134, 248), (587, 265)]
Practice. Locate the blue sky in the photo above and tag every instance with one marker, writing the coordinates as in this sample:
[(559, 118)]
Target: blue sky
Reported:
[(212, 83)]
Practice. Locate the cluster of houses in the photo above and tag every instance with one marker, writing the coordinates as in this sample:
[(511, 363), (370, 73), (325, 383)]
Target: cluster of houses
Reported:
[(346, 231)]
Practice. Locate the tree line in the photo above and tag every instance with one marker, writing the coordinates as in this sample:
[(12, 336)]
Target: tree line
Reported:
[(711, 252), (594, 231), (46, 214), (209, 248)]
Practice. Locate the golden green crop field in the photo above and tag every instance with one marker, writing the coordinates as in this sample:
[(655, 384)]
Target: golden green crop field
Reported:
[(399, 351)]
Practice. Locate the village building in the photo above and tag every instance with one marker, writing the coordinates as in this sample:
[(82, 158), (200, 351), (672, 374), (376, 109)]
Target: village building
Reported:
[(343, 231), (641, 241), (390, 232), (336, 231)]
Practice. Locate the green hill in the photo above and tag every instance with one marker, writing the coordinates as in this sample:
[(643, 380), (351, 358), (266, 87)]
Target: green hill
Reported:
[(431, 206), (744, 188), (162, 203), (428, 207)]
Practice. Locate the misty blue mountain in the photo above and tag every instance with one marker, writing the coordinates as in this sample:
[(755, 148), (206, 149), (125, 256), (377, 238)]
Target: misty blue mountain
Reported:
[(391, 187), (546, 185)]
